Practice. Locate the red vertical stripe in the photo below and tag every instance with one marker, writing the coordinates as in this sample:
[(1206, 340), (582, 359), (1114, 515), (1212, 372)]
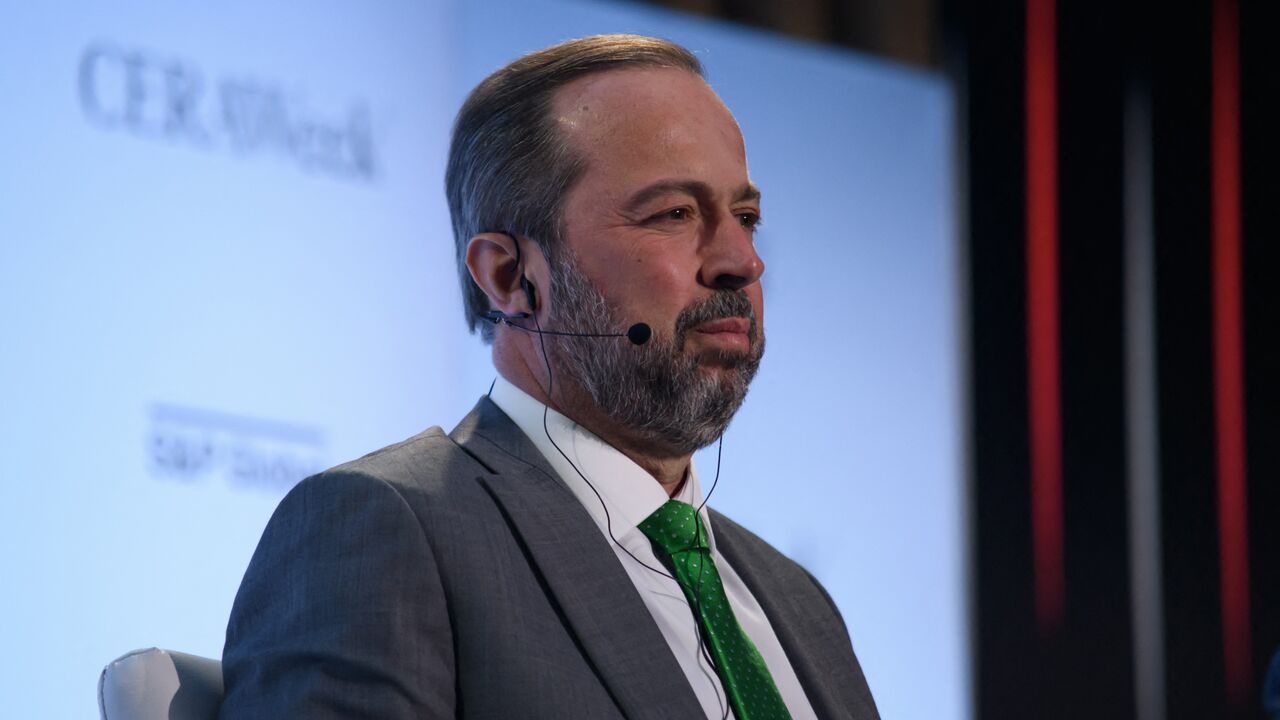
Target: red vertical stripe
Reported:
[(1228, 341), (1044, 411)]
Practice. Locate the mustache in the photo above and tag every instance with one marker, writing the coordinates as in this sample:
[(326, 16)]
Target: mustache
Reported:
[(723, 304)]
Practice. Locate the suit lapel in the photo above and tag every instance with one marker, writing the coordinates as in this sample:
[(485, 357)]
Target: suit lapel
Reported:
[(582, 573), (794, 616)]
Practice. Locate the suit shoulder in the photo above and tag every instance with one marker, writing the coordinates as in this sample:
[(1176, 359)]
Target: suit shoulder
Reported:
[(427, 475), (430, 463)]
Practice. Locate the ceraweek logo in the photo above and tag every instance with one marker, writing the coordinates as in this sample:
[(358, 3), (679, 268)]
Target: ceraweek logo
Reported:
[(171, 99), (190, 445)]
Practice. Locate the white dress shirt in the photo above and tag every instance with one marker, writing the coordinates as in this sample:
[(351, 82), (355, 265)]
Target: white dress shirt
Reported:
[(631, 494)]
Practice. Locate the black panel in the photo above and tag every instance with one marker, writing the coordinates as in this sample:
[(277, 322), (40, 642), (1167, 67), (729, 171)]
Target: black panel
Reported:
[(987, 51), (1087, 669), (1260, 86), (1096, 647), (1193, 627)]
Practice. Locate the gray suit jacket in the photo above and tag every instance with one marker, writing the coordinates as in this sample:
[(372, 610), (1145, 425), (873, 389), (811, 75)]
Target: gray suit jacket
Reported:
[(457, 576)]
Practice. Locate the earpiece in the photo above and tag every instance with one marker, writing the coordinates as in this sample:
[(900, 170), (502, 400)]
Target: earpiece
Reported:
[(530, 293), (638, 333)]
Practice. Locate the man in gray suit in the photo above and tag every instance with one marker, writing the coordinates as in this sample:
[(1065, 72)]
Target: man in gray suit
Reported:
[(552, 556)]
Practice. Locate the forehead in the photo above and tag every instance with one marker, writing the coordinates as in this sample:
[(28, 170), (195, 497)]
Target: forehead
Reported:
[(635, 115)]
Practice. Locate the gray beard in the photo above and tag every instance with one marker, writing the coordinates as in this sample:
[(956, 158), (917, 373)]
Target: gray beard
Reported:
[(656, 391)]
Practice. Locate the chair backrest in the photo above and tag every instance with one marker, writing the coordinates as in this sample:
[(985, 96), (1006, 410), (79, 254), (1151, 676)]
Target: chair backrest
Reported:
[(155, 684)]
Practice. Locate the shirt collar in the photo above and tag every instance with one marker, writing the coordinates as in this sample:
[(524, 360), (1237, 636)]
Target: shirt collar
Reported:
[(629, 492)]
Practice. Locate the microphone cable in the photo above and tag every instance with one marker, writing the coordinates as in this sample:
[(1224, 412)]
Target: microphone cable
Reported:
[(608, 519)]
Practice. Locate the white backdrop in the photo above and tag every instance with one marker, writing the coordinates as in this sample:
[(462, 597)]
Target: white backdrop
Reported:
[(225, 262)]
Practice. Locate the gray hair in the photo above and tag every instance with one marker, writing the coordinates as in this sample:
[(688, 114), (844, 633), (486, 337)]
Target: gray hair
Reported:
[(509, 166)]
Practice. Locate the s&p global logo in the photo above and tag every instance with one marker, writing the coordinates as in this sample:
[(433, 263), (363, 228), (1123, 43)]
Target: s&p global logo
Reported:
[(190, 445), (167, 98)]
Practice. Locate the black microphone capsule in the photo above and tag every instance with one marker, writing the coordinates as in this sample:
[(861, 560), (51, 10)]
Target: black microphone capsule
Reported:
[(639, 333)]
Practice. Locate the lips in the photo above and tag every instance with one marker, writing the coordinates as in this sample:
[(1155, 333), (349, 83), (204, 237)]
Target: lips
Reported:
[(725, 321), (735, 326), (732, 333)]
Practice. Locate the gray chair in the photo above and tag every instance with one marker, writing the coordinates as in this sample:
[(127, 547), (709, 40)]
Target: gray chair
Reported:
[(157, 684)]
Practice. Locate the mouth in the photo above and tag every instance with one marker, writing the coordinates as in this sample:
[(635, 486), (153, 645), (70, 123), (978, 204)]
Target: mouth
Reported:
[(722, 327), (733, 332)]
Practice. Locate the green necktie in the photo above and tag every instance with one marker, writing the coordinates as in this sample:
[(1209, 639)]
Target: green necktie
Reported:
[(677, 529)]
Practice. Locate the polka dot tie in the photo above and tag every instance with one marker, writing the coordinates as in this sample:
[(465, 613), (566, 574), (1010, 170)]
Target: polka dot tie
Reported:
[(677, 531)]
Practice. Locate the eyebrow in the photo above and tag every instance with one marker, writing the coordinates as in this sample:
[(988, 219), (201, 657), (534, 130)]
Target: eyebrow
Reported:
[(696, 188)]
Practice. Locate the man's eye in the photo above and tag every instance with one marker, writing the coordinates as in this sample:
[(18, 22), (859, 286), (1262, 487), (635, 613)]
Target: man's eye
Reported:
[(749, 220), (679, 214)]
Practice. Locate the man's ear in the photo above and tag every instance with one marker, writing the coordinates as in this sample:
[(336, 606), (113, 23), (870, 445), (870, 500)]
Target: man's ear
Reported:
[(493, 261)]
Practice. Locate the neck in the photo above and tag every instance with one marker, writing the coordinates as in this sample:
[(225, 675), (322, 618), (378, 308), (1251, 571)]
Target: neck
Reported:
[(670, 472), (667, 470)]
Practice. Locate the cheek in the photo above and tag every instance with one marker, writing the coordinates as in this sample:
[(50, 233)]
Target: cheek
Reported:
[(662, 283), (640, 288), (645, 272)]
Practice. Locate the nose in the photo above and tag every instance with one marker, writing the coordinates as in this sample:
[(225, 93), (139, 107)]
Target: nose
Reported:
[(729, 258)]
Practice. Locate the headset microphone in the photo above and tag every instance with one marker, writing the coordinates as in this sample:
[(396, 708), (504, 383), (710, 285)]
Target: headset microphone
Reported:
[(638, 334)]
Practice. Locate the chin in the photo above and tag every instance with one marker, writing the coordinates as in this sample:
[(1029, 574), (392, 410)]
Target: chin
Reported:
[(722, 359)]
